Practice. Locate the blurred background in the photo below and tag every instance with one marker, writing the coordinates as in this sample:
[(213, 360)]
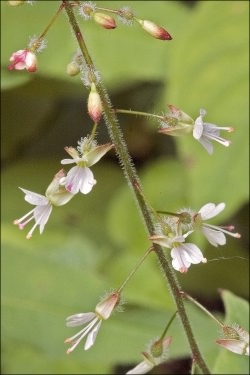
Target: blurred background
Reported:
[(91, 245)]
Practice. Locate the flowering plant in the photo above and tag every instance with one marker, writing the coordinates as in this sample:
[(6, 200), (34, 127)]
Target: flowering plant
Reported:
[(190, 191)]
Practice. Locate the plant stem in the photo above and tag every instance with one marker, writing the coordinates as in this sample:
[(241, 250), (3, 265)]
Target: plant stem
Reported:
[(130, 173)]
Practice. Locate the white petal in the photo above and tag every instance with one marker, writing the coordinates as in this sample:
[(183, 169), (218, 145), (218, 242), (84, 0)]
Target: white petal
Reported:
[(92, 336), (215, 237), (235, 346), (34, 198), (198, 128), (41, 215), (179, 261), (142, 368), (88, 181), (70, 161), (192, 253), (207, 144), (79, 178), (210, 210), (79, 319)]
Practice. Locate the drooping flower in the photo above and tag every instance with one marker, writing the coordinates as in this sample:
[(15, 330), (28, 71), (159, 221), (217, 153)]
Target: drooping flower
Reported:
[(55, 195), (214, 234), (183, 254), (205, 132), (156, 355), (80, 178), (235, 339), (102, 312), (23, 59)]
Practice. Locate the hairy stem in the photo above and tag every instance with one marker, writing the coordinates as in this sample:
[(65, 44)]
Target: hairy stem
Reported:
[(130, 173)]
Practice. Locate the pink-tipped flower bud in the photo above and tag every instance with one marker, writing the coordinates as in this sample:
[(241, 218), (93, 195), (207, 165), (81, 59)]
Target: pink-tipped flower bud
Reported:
[(23, 59), (94, 104), (104, 20), (154, 30)]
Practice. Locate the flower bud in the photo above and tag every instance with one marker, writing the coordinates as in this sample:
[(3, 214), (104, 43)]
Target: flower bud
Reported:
[(94, 104), (104, 20), (73, 69), (154, 30), (23, 59)]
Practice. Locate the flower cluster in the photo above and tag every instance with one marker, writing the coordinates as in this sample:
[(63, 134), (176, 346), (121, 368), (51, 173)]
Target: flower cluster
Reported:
[(173, 231), (88, 10)]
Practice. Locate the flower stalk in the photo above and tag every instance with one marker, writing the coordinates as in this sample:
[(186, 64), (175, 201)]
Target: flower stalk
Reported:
[(134, 183)]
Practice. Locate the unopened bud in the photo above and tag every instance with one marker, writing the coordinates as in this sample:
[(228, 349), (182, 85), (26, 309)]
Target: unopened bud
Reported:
[(73, 69), (104, 20), (154, 30), (23, 59), (94, 104)]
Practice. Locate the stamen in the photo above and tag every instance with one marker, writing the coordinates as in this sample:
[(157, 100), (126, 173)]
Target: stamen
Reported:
[(18, 221), (221, 229)]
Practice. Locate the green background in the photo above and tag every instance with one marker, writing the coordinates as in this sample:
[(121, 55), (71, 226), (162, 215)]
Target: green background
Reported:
[(90, 245)]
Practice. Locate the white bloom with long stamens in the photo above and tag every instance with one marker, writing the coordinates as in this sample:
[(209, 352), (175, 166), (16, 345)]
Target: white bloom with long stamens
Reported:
[(55, 196), (205, 132), (214, 234), (102, 312)]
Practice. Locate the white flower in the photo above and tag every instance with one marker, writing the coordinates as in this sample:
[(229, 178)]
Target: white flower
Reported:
[(236, 339), (156, 355), (183, 254), (102, 312), (214, 234), (205, 132), (80, 178), (55, 195)]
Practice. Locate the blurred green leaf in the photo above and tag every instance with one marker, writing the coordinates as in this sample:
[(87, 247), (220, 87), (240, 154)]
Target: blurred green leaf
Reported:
[(214, 51), (161, 183)]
